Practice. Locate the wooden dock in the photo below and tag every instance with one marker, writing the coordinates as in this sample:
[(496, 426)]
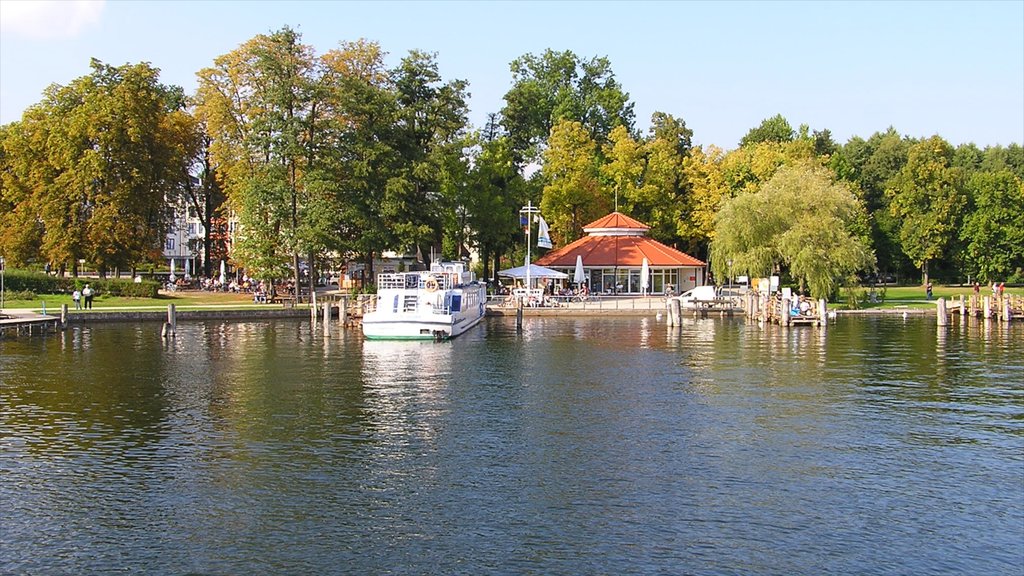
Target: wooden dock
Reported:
[(1003, 308), (21, 323)]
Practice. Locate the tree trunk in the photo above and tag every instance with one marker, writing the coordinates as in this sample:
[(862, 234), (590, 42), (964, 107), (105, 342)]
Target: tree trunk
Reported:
[(924, 273)]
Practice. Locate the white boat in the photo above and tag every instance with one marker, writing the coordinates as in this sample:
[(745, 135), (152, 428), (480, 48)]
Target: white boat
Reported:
[(426, 305)]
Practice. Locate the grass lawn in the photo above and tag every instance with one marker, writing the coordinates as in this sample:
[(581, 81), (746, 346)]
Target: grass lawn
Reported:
[(915, 297), (189, 300)]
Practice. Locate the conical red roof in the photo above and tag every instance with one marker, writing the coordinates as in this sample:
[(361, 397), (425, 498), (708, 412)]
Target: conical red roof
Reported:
[(617, 240), (616, 220)]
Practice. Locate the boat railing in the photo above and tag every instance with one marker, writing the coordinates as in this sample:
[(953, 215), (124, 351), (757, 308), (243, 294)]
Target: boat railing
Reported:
[(417, 280)]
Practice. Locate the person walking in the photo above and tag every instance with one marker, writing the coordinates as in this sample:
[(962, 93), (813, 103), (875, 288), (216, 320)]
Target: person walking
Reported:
[(76, 296), (87, 292), (928, 290)]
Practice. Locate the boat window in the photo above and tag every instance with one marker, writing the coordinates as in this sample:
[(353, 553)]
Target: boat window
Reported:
[(456, 303), (394, 306), (409, 305)]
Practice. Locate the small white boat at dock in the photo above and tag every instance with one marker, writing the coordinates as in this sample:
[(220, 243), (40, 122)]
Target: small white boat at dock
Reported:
[(426, 305)]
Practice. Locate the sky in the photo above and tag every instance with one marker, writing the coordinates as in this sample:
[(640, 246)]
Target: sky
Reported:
[(955, 69)]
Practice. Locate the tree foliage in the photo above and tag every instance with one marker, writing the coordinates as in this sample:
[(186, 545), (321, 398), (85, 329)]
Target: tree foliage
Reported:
[(802, 220), (93, 167), (557, 86), (775, 129), (927, 198), (993, 232)]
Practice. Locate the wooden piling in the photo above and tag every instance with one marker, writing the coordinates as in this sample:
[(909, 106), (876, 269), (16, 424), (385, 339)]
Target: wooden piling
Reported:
[(784, 315), (343, 312), (963, 308), (63, 316), (1007, 310), (941, 307), (519, 314), (987, 307), (822, 312), (170, 328)]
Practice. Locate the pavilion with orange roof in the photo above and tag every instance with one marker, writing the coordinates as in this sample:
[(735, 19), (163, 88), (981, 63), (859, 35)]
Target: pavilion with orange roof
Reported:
[(613, 252)]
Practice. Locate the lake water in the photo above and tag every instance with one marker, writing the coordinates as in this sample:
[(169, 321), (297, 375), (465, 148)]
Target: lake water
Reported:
[(578, 446)]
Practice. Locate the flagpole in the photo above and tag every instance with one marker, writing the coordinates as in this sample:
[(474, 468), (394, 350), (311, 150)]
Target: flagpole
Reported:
[(529, 210)]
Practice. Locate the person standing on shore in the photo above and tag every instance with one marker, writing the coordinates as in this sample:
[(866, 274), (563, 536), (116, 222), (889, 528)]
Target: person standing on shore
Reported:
[(928, 290), (87, 292), (76, 296)]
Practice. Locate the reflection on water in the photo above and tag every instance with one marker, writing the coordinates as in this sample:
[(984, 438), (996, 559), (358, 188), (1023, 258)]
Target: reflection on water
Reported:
[(573, 446)]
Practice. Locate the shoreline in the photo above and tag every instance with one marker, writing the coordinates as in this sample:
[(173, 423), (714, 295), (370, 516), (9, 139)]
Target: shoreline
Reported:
[(241, 315)]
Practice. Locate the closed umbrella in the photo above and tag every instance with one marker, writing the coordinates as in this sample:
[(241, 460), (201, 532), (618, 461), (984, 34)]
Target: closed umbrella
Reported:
[(172, 278), (578, 276), (223, 273), (645, 272)]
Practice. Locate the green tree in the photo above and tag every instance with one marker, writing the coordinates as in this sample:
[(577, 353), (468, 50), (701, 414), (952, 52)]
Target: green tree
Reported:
[(96, 163), (558, 86), (870, 165), (497, 190), (774, 129), (802, 220), (572, 192), (927, 197), (993, 232), (262, 106)]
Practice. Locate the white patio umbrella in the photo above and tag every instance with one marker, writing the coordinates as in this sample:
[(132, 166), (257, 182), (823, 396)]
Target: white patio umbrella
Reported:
[(223, 272), (532, 272), (645, 274), (188, 268), (578, 276), (172, 278)]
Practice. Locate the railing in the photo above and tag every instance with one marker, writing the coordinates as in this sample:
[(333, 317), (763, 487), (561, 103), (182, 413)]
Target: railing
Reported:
[(590, 302)]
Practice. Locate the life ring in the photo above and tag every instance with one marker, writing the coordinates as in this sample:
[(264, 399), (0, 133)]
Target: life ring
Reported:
[(430, 285)]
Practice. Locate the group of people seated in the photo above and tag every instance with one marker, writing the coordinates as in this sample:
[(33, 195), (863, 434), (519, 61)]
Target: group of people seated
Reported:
[(543, 297)]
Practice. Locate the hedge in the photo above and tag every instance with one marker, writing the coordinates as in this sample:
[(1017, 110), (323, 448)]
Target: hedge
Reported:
[(38, 283)]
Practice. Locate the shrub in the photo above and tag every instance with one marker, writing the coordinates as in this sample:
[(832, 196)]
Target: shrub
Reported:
[(39, 283), (36, 282)]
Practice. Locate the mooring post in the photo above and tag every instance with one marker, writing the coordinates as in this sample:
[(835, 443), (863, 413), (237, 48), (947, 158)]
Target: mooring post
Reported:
[(343, 312), (63, 316), (963, 308), (327, 319), (987, 310), (822, 312), (172, 319), (519, 314), (784, 317), (941, 307), (1007, 310)]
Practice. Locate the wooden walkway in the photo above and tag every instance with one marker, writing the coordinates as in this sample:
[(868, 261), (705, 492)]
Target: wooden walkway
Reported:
[(22, 323)]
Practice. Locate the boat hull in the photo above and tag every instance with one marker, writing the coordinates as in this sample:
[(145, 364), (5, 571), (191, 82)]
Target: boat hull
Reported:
[(422, 322)]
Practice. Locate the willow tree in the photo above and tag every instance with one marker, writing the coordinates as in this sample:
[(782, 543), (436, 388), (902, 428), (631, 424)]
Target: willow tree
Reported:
[(801, 219)]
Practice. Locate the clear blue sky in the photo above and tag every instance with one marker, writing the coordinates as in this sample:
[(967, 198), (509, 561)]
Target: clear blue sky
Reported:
[(955, 69)]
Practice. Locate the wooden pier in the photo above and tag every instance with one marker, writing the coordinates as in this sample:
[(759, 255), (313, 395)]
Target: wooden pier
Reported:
[(785, 311), (1004, 308), (27, 324)]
